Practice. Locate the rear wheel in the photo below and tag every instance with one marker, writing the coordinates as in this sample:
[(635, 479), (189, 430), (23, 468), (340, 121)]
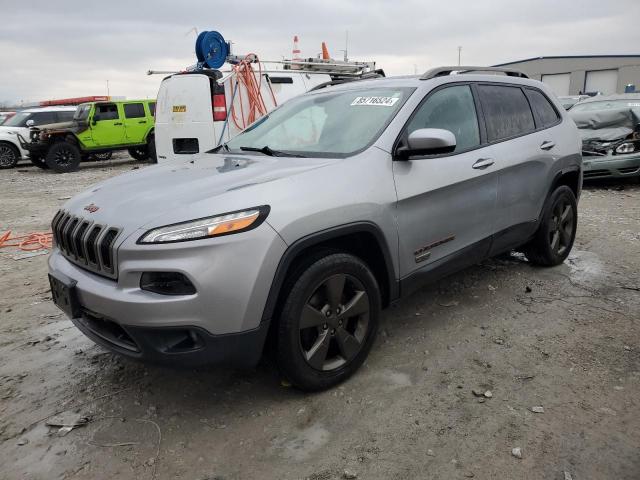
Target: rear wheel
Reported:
[(9, 155), (63, 157), (557, 231), (328, 322), (139, 153)]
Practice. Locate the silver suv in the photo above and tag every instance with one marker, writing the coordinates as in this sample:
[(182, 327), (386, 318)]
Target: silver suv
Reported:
[(302, 228)]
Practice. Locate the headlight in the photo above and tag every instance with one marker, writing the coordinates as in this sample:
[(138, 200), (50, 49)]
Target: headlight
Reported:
[(626, 148), (226, 224)]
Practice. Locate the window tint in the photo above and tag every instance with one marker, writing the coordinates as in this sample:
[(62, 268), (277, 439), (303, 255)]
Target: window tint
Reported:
[(134, 110), (64, 116), (152, 108), (545, 113), (106, 111), (452, 109), (506, 111), (43, 118)]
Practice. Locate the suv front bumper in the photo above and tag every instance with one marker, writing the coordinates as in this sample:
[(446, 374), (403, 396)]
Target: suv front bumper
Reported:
[(221, 323)]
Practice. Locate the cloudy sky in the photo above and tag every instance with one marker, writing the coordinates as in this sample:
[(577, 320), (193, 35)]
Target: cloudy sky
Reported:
[(71, 48)]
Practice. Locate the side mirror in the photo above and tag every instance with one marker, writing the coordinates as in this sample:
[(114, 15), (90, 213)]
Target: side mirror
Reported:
[(30, 123), (427, 141), (94, 120)]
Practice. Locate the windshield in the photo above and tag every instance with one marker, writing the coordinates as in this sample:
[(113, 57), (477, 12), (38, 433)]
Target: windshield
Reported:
[(18, 120), (606, 105), (331, 124), (82, 112)]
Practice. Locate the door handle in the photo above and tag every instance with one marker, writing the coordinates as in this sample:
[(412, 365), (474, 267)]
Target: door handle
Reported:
[(118, 123), (548, 145), (142, 121), (483, 163)]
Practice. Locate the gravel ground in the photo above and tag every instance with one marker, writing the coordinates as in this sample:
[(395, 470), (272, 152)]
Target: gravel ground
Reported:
[(566, 339)]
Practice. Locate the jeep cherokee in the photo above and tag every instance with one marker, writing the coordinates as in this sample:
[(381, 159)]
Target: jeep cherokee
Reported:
[(320, 214)]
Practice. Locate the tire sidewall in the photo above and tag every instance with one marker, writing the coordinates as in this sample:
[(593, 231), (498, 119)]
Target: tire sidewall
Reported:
[(290, 357), (51, 162), (561, 192), (16, 156)]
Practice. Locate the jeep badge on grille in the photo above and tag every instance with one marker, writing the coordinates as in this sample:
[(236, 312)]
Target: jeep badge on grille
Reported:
[(92, 208)]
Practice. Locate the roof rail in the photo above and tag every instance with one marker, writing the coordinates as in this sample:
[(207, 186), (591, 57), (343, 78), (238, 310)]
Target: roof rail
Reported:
[(444, 71)]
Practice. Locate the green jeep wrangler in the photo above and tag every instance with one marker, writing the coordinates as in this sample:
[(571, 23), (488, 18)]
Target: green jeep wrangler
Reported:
[(97, 129)]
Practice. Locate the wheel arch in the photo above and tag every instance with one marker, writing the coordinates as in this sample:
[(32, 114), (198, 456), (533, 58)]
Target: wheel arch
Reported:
[(571, 177), (362, 239)]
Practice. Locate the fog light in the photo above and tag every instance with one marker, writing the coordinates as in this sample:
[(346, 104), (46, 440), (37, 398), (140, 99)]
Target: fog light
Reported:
[(167, 283), (625, 148)]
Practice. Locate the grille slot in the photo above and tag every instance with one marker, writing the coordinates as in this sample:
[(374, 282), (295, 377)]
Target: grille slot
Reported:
[(86, 244), (92, 250), (105, 248), (628, 170), (77, 240)]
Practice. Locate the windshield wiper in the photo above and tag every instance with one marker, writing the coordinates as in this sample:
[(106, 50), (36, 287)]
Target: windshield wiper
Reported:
[(269, 151), (218, 148)]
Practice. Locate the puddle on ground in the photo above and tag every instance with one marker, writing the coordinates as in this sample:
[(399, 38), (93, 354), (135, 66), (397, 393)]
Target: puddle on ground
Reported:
[(584, 266), (305, 443)]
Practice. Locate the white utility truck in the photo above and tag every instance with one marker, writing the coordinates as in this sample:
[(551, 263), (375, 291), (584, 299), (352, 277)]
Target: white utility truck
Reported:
[(201, 107)]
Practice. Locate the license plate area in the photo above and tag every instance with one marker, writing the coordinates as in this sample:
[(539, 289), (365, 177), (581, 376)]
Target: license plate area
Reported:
[(63, 293)]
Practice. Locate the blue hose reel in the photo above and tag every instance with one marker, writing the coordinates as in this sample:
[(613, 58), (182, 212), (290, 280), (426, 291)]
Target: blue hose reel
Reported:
[(211, 49)]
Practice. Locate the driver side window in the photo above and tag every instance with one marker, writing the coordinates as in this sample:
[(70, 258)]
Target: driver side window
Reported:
[(453, 109)]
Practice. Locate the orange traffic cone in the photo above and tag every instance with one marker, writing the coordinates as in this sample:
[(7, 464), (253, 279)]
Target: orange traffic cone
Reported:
[(295, 54), (325, 52)]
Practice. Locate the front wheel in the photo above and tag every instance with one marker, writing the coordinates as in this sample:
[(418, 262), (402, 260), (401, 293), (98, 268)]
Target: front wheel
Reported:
[(9, 155), (557, 231), (63, 157), (328, 322)]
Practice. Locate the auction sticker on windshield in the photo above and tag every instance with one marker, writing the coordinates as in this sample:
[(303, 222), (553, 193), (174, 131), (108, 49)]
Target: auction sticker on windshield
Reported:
[(377, 101)]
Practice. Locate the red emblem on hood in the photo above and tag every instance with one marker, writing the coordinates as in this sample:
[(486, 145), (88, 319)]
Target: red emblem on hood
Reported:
[(92, 208)]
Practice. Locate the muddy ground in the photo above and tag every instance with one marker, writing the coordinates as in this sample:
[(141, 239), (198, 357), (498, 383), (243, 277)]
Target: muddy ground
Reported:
[(566, 339)]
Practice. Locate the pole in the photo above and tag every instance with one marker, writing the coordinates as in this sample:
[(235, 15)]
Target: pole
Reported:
[(459, 55), (108, 88)]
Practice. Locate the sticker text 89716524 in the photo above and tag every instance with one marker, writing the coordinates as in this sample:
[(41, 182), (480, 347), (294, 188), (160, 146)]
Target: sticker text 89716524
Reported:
[(375, 101)]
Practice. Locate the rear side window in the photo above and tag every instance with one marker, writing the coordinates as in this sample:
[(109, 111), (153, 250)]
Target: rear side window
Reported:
[(134, 110), (43, 118), (546, 115), (453, 109), (106, 111), (506, 111), (152, 108), (64, 116)]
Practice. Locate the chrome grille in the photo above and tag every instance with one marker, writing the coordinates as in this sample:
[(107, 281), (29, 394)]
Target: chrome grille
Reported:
[(85, 243)]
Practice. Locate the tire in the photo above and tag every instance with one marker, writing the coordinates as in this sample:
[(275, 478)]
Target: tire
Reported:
[(557, 231), (151, 148), (39, 162), (9, 155), (317, 345), (63, 157), (139, 153)]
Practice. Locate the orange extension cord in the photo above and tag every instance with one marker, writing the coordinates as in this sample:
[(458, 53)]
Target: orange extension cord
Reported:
[(245, 79), (28, 243)]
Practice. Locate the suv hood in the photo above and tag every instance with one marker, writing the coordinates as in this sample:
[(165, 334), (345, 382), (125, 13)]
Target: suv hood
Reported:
[(57, 126), (207, 184)]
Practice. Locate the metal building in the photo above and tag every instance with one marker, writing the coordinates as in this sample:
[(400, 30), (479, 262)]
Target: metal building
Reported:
[(584, 73)]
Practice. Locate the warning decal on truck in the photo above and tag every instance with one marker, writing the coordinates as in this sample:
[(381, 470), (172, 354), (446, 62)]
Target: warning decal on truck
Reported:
[(379, 101), (179, 108)]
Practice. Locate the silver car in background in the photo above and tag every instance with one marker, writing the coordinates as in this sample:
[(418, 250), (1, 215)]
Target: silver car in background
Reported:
[(302, 228)]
